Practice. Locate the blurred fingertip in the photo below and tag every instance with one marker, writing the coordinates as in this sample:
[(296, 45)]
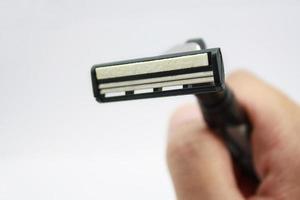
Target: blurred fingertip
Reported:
[(240, 76), (183, 114)]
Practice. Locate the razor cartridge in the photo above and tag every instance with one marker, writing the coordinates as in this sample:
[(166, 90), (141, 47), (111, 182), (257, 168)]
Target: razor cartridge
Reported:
[(191, 72)]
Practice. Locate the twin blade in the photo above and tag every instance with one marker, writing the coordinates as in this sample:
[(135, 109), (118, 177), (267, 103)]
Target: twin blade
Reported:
[(173, 74)]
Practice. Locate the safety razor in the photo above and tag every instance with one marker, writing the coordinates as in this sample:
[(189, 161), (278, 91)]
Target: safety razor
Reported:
[(186, 69)]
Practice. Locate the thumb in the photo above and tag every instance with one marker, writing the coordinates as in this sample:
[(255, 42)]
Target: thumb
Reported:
[(199, 162)]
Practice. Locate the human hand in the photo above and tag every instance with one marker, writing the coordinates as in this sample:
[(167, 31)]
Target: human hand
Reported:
[(201, 166)]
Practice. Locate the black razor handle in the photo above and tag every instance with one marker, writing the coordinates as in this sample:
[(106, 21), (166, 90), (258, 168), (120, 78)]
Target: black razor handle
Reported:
[(226, 118)]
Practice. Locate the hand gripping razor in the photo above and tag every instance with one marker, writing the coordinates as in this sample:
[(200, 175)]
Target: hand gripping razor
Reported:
[(186, 69)]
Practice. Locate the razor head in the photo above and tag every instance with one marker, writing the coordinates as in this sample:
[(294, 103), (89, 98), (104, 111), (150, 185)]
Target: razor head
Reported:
[(193, 72)]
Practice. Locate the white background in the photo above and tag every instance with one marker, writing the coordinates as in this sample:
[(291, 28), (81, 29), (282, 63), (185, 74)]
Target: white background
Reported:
[(56, 142)]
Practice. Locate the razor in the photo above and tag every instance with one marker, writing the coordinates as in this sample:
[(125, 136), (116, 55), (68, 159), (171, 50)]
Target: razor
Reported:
[(186, 69)]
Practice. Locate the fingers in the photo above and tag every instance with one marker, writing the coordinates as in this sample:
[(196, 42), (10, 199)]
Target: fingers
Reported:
[(275, 136), (199, 163), (271, 112)]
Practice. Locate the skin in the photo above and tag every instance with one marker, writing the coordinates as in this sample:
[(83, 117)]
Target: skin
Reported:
[(201, 167)]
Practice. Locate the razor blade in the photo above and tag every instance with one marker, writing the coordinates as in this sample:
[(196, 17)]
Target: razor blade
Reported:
[(190, 72)]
